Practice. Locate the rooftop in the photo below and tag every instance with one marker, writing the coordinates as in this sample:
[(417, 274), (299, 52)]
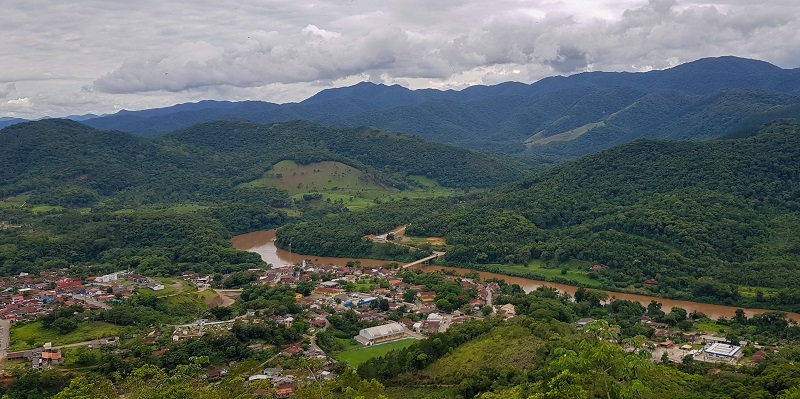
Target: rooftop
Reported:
[(721, 349)]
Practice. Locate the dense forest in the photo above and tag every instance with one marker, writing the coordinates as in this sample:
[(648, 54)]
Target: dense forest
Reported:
[(700, 218), (110, 200)]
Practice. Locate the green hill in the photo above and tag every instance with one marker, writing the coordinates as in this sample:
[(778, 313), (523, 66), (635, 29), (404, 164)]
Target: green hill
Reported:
[(701, 218), (64, 163)]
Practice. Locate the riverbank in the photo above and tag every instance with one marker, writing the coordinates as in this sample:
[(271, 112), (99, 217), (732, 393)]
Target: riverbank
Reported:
[(263, 243)]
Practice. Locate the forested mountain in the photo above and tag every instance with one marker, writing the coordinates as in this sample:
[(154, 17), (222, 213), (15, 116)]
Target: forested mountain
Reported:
[(555, 117), (66, 163), (698, 217), (109, 199)]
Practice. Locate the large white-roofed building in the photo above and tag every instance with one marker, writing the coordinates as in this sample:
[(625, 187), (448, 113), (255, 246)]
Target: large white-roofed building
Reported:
[(722, 351), (381, 334)]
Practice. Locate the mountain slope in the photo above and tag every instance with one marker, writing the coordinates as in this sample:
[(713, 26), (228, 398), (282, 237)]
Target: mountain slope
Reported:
[(206, 161)]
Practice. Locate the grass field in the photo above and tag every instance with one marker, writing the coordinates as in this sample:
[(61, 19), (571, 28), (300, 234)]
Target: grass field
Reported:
[(576, 270), (360, 355), (319, 176), (46, 208), (337, 181), (23, 335)]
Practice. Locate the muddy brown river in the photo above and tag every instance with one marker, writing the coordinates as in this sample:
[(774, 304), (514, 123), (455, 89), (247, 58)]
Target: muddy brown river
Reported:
[(263, 243)]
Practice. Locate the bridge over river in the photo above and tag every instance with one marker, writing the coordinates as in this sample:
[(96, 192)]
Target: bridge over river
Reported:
[(424, 261)]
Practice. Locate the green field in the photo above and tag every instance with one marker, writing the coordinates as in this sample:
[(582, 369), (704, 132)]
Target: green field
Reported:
[(23, 335), (360, 355), (327, 176), (46, 208), (340, 182), (576, 270)]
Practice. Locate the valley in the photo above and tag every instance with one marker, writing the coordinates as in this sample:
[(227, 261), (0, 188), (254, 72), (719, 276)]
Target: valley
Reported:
[(601, 235)]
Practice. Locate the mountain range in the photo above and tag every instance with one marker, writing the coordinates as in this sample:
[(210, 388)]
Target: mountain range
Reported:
[(555, 117)]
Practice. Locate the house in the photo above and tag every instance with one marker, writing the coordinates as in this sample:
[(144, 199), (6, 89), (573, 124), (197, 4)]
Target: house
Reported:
[(293, 350), (155, 286), (582, 322), (651, 282), (273, 372), (284, 391), (508, 310), (426, 297)]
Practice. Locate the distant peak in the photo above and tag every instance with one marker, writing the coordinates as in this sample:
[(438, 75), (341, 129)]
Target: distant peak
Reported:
[(729, 62)]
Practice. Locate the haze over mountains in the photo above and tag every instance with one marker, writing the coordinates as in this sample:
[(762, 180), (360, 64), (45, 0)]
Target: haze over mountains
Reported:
[(557, 116)]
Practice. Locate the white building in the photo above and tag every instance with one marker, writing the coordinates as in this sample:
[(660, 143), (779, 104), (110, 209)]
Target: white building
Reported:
[(722, 351), (108, 278), (381, 334)]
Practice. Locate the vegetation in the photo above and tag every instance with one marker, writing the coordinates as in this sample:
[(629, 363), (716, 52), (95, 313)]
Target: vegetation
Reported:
[(355, 357), (698, 218), (33, 334)]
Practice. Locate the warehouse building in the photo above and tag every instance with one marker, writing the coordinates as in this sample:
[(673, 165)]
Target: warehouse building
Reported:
[(381, 334), (719, 351)]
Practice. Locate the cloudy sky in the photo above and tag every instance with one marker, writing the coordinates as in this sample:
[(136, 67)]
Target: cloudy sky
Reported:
[(60, 58)]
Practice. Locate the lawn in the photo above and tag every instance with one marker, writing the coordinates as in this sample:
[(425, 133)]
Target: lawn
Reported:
[(360, 355), (576, 271), (30, 335), (710, 326)]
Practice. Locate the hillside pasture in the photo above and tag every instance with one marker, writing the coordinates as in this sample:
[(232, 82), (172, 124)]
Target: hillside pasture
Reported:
[(360, 355)]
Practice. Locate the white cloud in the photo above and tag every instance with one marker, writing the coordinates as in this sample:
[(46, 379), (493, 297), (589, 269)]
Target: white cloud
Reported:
[(154, 53), (9, 89)]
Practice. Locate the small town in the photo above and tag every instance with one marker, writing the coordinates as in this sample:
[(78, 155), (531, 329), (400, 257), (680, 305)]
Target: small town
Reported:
[(387, 300)]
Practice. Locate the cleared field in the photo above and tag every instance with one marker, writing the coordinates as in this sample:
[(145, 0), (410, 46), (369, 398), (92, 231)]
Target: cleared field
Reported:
[(360, 355), (33, 334), (336, 181), (576, 271), (563, 136), (327, 176)]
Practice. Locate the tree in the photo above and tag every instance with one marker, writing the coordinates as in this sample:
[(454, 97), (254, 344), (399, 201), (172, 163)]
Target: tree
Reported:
[(410, 296), (65, 325), (444, 305), (383, 304), (740, 317), (88, 387)]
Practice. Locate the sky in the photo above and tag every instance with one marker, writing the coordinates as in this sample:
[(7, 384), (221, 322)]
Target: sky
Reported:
[(101, 56)]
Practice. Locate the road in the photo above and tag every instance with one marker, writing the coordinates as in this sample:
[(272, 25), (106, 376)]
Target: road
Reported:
[(207, 324), (5, 338)]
